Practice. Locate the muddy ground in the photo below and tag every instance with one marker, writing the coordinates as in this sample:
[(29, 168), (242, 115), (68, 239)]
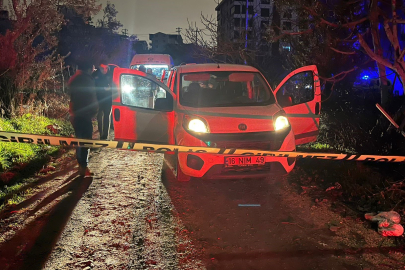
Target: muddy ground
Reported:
[(133, 215)]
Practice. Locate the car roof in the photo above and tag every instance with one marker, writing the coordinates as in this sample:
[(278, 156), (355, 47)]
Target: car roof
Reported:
[(189, 68)]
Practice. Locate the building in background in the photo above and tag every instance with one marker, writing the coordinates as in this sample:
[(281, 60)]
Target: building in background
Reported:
[(141, 46), (233, 26), (159, 41)]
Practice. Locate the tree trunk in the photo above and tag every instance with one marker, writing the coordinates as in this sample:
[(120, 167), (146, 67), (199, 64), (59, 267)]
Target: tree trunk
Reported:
[(384, 83)]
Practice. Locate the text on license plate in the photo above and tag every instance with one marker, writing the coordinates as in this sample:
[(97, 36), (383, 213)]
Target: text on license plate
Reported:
[(244, 161)]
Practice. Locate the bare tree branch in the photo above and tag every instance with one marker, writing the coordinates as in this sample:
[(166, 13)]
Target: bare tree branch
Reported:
[(373, 55), (338, 51)]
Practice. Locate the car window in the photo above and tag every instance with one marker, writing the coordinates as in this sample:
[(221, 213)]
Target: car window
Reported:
[(157, 70), (299, 87), (140, 92), (224, 89)]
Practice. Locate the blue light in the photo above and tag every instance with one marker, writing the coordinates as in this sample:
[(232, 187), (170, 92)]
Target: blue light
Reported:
[(286, 47), (367, 75), (357, 45)]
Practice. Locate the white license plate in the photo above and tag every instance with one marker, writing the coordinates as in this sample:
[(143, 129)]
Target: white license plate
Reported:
[(244, 161)]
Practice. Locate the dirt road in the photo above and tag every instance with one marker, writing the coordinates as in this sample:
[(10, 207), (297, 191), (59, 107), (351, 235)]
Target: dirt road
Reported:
[(134, 215)]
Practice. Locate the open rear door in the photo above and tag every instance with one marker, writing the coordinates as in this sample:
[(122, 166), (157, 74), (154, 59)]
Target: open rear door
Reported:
[(143, 108), (300, 96)]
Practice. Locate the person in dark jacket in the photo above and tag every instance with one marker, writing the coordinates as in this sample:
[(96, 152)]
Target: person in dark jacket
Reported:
[(103, 82), (142, 68), (83, 107)]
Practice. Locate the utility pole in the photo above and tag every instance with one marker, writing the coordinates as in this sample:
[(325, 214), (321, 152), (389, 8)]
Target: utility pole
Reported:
[(178, 30), (124, 32)]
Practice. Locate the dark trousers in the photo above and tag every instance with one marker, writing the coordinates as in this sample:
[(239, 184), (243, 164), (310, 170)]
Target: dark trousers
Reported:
[(103, 119), (83, 130)]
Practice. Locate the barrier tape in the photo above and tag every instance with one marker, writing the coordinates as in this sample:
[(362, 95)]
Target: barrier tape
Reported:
[(160, 148)]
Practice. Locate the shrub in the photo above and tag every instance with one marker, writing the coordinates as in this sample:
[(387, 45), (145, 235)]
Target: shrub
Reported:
[(57, 106)]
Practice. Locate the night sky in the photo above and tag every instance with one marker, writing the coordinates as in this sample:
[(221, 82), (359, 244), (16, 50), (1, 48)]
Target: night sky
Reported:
[(144, 17)]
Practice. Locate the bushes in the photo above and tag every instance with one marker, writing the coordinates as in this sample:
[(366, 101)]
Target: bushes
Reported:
[(52, 105), (14, 153), (350, 122), (57, 106)]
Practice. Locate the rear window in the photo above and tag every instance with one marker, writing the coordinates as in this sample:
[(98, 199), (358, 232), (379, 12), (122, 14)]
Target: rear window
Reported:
[(156, 70), (224, 89)]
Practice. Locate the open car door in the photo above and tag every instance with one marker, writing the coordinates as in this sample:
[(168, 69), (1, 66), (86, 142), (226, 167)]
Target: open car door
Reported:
[(300, 96), (143, 108)]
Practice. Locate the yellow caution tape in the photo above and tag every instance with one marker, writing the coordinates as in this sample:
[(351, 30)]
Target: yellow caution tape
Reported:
[(160, 148)]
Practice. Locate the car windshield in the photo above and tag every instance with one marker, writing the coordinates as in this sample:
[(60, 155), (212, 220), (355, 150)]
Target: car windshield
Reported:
[(224, 89), (157, 70)]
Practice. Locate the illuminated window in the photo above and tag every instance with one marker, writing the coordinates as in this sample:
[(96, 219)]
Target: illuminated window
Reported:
[(286, 47)]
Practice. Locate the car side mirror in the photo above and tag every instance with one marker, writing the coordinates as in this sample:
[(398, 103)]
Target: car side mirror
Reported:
[(285, 101), (164, 104)]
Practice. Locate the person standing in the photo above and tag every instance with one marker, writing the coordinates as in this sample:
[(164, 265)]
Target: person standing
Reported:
[(103, 81), (83, 107), (142, 68)]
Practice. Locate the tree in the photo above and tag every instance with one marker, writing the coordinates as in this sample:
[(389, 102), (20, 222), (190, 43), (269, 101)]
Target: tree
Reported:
[(28, 59), (345, 36), (109, 20), (240, 46)]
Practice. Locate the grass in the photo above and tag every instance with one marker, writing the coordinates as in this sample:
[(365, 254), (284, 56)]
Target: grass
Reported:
[(17, 153), (17, 197), (18, 160)]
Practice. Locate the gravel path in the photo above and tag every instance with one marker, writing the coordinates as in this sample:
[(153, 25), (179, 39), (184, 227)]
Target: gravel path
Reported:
[(124, 221), (134, 215)]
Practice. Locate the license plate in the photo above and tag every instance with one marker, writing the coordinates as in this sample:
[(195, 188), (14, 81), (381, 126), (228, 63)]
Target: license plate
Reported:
[(244, 161)]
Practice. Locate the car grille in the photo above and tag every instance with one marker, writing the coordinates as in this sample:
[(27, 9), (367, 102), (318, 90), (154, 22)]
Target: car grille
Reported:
[(266, 146), (265, 141)]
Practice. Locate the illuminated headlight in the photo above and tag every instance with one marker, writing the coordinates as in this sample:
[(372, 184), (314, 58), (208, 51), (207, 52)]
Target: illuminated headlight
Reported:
[(197, 125), (127, 88), (281, 123)]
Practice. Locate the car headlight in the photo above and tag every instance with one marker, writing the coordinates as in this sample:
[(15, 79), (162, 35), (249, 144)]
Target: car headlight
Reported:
[(197, 125), (281, 123)]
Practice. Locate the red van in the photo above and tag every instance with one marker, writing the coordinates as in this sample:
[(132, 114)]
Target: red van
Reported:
[(224, 106)]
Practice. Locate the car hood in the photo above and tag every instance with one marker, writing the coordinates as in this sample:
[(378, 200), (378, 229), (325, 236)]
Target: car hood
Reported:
[(229, 119)]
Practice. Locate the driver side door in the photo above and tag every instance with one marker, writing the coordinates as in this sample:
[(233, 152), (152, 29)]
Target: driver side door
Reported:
[(143, 108), (300, 96)]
